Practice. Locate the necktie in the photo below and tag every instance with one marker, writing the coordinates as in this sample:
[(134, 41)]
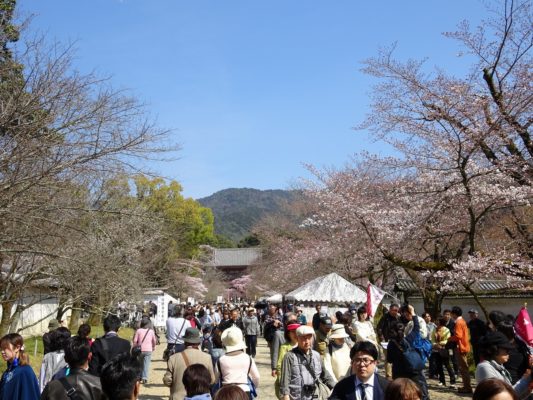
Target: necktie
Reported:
[(362, 388)]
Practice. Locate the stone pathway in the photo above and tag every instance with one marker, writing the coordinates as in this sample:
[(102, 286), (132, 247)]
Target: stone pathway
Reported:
[(155, 390)]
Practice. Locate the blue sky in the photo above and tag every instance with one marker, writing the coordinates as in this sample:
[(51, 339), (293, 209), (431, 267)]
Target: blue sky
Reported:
[(251, 89)]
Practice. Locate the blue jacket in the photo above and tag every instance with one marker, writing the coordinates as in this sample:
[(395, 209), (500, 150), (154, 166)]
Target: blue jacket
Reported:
[(19, 383)]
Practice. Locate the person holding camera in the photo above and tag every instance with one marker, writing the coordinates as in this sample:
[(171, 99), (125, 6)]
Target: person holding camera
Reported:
[(303, 375)]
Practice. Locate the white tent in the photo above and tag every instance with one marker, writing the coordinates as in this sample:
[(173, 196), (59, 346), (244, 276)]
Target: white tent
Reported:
[(276, 298), (331, 288)]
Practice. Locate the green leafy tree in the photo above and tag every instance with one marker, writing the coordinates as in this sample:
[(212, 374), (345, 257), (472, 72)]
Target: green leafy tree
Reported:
[(188, 224)]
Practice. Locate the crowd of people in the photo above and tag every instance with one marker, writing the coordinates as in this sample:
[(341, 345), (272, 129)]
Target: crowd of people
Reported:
[(211, 350)]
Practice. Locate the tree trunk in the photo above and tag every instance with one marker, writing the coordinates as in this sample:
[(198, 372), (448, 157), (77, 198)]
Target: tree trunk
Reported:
[(5, 321), (94, 319), (61, 310), (478, 301), (15, 319), (75, 316), (432, 303)]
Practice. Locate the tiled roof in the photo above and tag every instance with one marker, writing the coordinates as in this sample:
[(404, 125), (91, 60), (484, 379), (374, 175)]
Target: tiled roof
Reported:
[(483, 285), (236, 257)]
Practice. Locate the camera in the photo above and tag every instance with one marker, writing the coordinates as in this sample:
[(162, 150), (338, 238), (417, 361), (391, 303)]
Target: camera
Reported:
[(309, 389)]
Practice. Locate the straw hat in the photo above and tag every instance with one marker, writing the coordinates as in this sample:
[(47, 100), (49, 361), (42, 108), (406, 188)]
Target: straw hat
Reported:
[(232, 339), (338, 332)]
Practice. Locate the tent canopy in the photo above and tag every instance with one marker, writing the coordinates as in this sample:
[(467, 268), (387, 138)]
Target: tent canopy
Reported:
[(331, 288), (276, 298)]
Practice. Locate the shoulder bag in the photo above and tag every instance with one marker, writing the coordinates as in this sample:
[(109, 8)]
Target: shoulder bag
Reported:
[(321, 389), (251, 385), (136, 350), (72, 393), (413, 358)]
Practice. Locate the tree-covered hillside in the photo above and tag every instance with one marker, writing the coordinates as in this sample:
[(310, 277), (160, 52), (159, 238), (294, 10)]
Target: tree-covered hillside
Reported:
[(236, 211)]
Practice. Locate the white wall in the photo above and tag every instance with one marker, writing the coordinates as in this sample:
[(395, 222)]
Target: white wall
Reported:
[(44, 309), (507, 305)]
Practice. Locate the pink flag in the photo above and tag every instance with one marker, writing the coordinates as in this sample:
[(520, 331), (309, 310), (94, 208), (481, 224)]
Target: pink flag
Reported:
[(374, 295), (523, 327)]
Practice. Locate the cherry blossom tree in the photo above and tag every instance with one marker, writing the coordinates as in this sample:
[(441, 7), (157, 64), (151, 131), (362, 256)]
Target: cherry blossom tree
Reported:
[(240, 285), (456, 195)]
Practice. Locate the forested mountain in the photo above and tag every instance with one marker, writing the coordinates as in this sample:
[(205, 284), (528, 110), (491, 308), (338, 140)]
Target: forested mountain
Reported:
[(236, 211)]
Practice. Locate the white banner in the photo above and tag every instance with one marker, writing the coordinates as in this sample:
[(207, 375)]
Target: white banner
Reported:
[(374, 295)]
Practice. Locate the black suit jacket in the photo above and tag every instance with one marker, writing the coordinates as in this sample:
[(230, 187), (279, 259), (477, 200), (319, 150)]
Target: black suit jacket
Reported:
[(345, 389), (114, 346)]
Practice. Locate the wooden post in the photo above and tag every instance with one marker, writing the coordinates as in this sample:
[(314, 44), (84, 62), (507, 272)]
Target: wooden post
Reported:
[(35, 347)]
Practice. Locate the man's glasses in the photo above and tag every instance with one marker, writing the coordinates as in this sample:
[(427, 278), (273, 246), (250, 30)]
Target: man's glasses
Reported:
[(363, 361)]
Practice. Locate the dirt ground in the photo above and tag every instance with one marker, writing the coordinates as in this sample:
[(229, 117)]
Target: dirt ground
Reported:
[(155, 390)]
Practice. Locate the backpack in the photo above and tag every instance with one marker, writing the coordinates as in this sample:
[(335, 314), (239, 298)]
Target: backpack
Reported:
[(269, 332)]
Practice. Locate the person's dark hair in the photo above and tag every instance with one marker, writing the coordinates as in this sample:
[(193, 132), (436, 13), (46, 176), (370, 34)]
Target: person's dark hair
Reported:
[(457, 311), (201, 313), (177, 312), (216, 338), (491, 387), (196, 379), (397, 328), (394, 305), (338, 314), (84, 331), (506, 327), (403, 389), (111, 323), (364, 347), (425, 313), (345, 319), (231, 392), (289, 316), (404, 308), (360, 311), (59, 338), (496, 317), (442, 321), (77, 351), (119, 376), (446, 311), (145, 323), (488, 351)]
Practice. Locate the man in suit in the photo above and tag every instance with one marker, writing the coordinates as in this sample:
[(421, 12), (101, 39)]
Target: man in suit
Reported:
[(364, 383), (178, 362), (108, 346)]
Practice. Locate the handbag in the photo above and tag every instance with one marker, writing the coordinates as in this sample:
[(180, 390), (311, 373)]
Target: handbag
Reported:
[(414, 362), (136, 350), (322, 390)]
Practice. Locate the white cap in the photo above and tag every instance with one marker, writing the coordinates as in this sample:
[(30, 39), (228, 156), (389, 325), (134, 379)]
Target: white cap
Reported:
[(304, 330)]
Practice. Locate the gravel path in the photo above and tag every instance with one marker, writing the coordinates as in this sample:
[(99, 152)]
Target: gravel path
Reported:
[(155, 390)]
